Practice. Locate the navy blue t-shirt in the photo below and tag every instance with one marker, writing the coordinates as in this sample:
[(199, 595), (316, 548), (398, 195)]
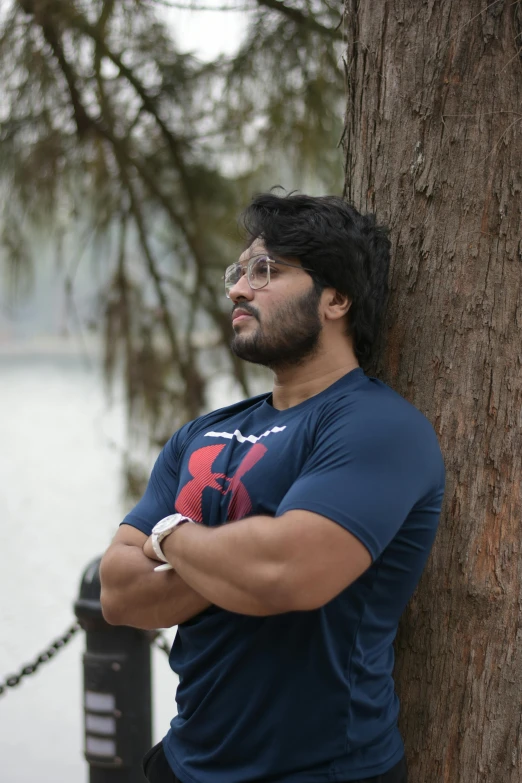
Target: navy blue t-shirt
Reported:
[(302, 696)]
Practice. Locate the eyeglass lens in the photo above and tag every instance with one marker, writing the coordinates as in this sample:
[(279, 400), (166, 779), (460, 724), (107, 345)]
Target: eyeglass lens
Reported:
[(257, 271)]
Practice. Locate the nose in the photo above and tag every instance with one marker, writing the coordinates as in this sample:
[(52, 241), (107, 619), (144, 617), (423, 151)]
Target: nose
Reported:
[(241, 291)]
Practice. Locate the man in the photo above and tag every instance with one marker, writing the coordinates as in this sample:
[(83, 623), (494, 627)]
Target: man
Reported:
[(330, 488)]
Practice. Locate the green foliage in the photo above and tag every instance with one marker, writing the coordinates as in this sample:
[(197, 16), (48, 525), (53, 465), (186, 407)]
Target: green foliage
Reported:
[(105, 122)]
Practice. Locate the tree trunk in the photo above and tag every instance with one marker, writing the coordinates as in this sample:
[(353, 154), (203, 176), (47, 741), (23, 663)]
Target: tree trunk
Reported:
[(433, 145)]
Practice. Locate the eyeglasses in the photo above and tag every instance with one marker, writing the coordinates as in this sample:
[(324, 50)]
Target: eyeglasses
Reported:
[(257, 271)]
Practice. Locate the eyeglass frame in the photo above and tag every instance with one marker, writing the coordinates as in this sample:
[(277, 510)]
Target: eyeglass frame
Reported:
[(250, 264)]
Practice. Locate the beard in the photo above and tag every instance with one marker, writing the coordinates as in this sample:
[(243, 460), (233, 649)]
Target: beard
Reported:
[(289, 337)]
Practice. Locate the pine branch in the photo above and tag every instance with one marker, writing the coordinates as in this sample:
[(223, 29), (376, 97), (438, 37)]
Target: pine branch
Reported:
[(136, 213), (41, 10), (194, 7), (80, 23), (85, 122), (153, 272), (123, 288), (82, 120), (300, 18)]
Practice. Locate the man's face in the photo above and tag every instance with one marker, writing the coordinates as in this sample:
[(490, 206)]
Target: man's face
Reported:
[(278, 325)]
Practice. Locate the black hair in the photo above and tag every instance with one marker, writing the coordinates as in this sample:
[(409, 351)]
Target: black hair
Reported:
[(345, 250)]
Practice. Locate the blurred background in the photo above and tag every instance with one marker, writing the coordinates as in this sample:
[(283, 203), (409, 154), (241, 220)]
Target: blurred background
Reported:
[(132, 134)]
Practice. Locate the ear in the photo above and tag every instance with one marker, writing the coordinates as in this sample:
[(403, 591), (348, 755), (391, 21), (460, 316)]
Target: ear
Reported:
[(335, 304)]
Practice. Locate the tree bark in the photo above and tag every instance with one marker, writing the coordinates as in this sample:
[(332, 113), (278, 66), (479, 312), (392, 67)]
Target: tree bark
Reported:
[(433, 145)]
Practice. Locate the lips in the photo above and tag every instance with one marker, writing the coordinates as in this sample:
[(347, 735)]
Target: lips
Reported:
[(240, 315)]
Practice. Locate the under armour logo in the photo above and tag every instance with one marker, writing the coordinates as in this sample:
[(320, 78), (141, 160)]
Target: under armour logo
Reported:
[(189, 500)]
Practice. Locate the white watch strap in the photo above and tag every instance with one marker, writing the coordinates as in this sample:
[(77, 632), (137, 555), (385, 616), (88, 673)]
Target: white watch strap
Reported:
[(155, 541), (157, 538)]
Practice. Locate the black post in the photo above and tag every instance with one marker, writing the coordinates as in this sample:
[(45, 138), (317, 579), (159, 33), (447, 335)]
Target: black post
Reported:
[(117, 690)]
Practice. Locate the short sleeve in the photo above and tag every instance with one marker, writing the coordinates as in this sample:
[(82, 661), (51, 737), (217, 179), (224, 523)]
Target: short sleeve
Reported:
[(160, 494), (367, 474)]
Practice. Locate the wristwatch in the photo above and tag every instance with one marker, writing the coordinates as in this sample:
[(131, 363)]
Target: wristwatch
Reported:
[(161, 530)]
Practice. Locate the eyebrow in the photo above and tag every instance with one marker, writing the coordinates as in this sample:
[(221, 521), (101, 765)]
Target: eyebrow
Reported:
[(256, 255)]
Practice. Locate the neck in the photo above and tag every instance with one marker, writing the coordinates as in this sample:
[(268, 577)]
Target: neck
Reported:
[(293, 385)]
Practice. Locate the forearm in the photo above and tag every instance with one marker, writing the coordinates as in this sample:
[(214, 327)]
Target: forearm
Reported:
[(134, 594), (241, 567)]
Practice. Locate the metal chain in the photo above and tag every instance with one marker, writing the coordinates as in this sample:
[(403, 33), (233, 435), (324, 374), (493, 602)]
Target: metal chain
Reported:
[(158, 640), (30, 668)]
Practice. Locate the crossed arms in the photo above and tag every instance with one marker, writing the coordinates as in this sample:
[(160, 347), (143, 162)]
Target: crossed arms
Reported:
[(256, 566), (132, 593)]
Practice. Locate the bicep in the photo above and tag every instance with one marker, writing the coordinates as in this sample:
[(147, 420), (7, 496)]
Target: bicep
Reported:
[(321, 559), (129, 536), (367, 486), (124, 556)]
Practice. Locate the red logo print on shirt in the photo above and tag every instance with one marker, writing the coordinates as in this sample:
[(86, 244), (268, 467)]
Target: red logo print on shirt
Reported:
[(189, 500)]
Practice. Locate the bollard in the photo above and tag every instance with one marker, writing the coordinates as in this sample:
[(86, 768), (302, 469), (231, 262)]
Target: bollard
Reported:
[(117, 690)]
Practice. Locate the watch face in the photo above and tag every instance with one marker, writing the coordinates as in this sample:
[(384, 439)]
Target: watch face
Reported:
[(166, 523)]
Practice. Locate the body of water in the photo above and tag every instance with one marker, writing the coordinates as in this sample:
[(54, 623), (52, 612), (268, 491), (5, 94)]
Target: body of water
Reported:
[(60, 504)]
